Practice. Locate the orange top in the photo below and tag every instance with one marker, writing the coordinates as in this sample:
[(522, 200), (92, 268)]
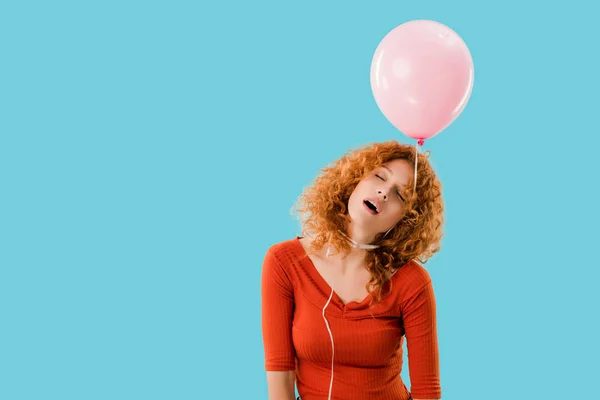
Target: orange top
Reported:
[(368, 351)]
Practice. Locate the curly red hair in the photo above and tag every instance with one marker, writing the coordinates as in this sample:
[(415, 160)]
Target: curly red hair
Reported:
[(323, 210)]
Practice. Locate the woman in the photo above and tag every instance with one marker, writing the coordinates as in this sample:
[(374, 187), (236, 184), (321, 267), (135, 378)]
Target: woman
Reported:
[(338, 302)]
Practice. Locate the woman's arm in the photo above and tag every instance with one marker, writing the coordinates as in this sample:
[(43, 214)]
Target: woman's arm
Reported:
[(419, 315), (277, 316), (281, 385)]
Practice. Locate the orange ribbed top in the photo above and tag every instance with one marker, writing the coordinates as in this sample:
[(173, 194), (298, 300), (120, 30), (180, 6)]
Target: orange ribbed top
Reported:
[(368, 351)]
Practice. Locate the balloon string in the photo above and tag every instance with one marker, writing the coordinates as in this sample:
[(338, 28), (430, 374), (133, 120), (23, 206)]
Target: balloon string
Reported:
[(419, 143)]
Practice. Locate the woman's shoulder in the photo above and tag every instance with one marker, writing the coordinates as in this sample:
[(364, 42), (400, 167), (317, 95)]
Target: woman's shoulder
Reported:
[(287, 252), (413, 270), (283, 259), (284, 246), (411, 278)]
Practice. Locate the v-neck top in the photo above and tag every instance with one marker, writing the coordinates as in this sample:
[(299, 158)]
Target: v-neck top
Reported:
[(367, 356)]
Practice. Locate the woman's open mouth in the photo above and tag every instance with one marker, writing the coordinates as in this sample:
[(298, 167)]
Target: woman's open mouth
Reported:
[(372, 208)]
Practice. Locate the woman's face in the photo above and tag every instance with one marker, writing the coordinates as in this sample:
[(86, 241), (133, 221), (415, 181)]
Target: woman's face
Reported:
[(382, 188)]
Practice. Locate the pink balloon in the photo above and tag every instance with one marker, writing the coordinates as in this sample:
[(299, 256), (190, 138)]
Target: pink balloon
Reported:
[(422, 77)]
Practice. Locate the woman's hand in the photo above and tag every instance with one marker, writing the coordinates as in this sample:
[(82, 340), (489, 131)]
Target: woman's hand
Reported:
[(281, 385)]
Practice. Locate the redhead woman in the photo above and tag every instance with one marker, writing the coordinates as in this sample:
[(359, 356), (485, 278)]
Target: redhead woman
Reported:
[(339, 301)]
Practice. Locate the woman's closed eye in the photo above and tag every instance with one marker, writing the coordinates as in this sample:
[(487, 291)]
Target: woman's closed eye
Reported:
[(399, 195)]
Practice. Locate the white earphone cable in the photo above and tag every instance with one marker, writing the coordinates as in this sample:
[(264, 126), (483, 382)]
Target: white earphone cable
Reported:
[(332, 347)]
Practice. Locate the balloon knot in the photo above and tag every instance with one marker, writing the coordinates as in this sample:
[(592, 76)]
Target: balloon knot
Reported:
[(421, 141)]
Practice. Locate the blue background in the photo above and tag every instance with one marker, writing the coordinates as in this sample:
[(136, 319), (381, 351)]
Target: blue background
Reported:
[(150, 152)]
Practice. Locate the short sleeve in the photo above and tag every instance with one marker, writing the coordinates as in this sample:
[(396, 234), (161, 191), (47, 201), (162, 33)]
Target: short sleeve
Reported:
[(277, 312), (419, 316)]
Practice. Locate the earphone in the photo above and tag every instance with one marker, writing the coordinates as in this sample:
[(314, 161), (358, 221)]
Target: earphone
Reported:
[(355, 245), (332, 345)]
